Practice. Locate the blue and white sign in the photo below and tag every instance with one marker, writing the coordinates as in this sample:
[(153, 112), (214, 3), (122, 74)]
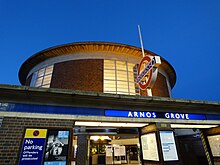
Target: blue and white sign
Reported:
[(148, 114), (33, 147), (131, 114), (184, 116), (102, 112)]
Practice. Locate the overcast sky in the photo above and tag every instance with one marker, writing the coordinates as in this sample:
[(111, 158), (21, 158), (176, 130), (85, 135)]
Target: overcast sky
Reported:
[(184, 32)]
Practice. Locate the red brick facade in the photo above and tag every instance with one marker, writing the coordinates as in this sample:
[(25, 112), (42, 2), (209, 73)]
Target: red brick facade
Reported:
[(160, 87), (86, 75)]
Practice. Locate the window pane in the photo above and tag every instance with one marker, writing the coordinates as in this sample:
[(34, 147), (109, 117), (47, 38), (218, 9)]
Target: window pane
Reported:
[(42, 78), (130, 76), (110, 83), (41, 72), (123, 93), (109, 90), (109, 74), (109, 64), (47, 79), (114, 92), (33, 79), (49, 70), (39, 82), (122, 85), (120, 65), (122, 75), (131, 87), (46, 86), (131, 67)]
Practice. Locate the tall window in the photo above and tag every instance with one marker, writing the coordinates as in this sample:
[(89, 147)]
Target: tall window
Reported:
[(42, 77), (119, 77)]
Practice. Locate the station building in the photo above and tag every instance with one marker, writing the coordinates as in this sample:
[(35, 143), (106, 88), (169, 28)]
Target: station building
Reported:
[(92, 103)]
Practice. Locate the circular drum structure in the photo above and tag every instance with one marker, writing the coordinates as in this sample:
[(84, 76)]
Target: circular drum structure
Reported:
[(94, 66)]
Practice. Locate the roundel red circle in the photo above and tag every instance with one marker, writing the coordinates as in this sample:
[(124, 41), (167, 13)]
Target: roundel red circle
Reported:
[(36, 133), (147, 78)]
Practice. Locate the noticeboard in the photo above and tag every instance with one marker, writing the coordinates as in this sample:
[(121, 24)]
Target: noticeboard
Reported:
[(214, 142), (168, 146), (149, 147)]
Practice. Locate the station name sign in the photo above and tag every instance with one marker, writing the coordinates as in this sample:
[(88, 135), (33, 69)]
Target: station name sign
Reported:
[(163, 115), (30, 108)]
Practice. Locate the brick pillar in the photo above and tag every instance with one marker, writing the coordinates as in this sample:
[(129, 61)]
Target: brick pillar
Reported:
[(82, 149)]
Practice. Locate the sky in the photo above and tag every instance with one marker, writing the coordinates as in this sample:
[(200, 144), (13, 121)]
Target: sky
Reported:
[(184, 32)]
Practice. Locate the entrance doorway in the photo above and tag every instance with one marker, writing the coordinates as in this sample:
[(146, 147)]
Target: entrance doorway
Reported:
[(114, 149), (113, 143)]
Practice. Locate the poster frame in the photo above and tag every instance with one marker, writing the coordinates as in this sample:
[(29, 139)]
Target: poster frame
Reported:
[(212, 136), (163, 155), (69, 146), (158, 154)]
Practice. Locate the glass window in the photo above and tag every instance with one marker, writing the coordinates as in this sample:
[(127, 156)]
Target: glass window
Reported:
[(42, 77), (119, 77)]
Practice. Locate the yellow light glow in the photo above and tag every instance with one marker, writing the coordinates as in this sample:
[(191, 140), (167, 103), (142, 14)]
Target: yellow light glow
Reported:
[(108, 124), (95, 138), (192, 126)]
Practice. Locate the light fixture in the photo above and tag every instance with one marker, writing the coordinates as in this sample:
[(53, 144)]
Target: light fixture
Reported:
[(192, 126), (108, 124), (96, 138)]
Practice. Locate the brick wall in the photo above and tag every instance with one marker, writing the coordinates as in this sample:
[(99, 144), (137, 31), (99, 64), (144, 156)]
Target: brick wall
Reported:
[(12, 131), (84, 75), (160, 87)]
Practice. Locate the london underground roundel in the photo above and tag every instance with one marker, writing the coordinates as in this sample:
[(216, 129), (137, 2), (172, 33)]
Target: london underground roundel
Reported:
[(145, 71)]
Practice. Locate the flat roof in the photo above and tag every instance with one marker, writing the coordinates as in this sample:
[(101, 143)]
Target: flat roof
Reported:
[(73, 98)]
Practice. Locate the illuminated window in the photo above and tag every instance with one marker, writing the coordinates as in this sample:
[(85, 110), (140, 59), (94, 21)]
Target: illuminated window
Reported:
[(42, 77), (119, 77)]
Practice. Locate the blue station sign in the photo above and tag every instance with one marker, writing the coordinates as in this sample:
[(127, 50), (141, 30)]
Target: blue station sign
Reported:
[(46, 109), (149, 114)]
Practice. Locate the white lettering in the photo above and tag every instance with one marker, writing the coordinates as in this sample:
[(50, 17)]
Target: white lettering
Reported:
[(182, 116), (148, 114), (130, 114), (167, 115), (28, 141), (33, 147), (135, 114), (142, 114), (177, 116)]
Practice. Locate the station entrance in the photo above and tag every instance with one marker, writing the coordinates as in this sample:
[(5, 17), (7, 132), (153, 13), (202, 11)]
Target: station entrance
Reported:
[(103, 143), (114, 143)]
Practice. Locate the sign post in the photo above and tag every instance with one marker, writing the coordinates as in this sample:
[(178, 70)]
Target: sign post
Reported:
[(147, 69)]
